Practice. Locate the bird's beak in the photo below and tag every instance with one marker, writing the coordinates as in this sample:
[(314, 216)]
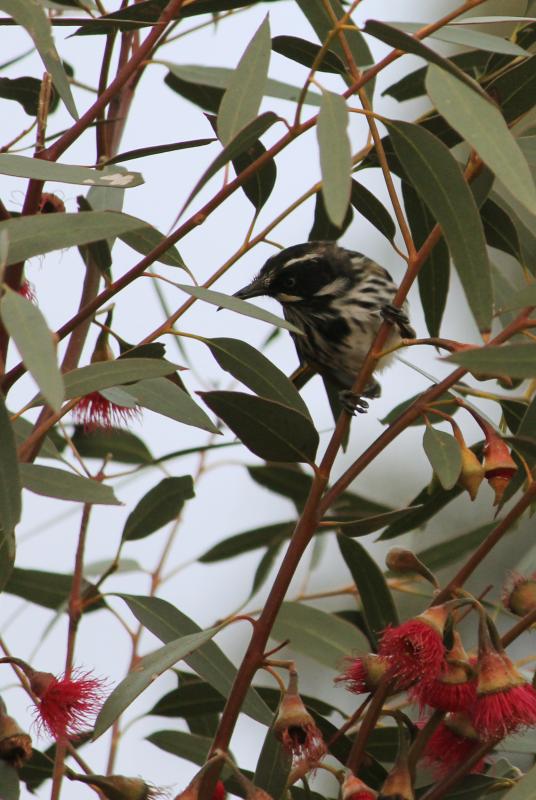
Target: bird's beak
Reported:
[(254, 289)]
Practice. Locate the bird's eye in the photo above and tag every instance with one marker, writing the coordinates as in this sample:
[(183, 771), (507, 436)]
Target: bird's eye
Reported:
[(289, 282)]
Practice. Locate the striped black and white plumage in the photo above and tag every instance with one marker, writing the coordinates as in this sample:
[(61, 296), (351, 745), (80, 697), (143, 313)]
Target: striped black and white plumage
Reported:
[(338, 298)]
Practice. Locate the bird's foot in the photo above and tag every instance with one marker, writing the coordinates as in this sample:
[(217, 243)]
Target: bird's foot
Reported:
[(395, 316), (352, 402)]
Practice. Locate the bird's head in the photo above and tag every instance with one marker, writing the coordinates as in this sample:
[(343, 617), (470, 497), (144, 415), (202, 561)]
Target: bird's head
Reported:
[(301, 272)]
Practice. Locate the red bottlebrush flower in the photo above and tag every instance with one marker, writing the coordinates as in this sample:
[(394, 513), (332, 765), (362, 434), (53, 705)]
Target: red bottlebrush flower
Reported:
[(354, 789), (519, 593), (28, 291), (452, 742), (363, 674), (295, 728), (454, 688), (415, 649), (505, 702), (95, 411), (67, 705)]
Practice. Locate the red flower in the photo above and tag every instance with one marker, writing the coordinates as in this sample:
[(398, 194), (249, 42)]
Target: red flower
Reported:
[(354, 789), (415, 649), (67, 705), (95, 411), (295, 728), (28, 291), (452, 742), (454, 689), (505, 702), (220, 791), (364, 673)]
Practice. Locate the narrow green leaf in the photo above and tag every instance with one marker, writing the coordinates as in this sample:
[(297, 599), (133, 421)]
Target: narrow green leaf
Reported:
[(259, 186), (306, 53), (483, 126), (27, 326), (31, 16), (190, 700), (264, 568), (430, 502), (515, 88), (145, 239), (10, 485), (323, 229), (434, 276), (372, 209), (50, 589), (104, 374), (408, 44), (254, 370), (321, 20), (412, 85), (335, 162), (156, 149), (121, 445), (448, 404), (164, 397), (39, 169), (269, 429), (454, 548), (266, 536), (147, 669), (8, 550), (361, 527), (217, 79), (241, 142), (457, 34), (160, 505), (241, 101), (437, 177), (190, 746), (376, 600), (323, 637), (235, 304), (167, 623), (515, 360), (42, 233), (9, 781), (273, 766), (444, 455), (63, 485)]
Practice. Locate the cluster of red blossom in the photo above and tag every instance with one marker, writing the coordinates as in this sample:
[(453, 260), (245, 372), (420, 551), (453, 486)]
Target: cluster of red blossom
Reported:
[(485, 698)]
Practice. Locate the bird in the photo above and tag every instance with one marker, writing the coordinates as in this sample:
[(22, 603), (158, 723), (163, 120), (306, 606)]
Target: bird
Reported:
[(338, 299)]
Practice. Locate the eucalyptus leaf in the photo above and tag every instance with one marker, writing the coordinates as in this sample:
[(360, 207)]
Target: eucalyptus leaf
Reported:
[(483, 127), (26, 325), (104, 374), (444, 455), (240, 103), (10, 483), (335, 162), (39, 169), (514, 360), (160, 505), (31, 16), (63, 485), (164, 397), (269, 429)]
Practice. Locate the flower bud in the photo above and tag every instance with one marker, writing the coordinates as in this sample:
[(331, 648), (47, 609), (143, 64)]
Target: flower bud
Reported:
[(295, 727), (519, 594), (15, 744), (398, 559), (398, 785), (499, 466), (119, 787)]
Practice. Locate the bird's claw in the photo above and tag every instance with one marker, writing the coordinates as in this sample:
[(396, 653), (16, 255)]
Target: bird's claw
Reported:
[(352, 402), (396, 316)]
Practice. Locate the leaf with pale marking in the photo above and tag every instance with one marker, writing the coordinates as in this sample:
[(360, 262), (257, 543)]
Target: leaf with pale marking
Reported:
[(39, 169), (335, 155), (242, 98)]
